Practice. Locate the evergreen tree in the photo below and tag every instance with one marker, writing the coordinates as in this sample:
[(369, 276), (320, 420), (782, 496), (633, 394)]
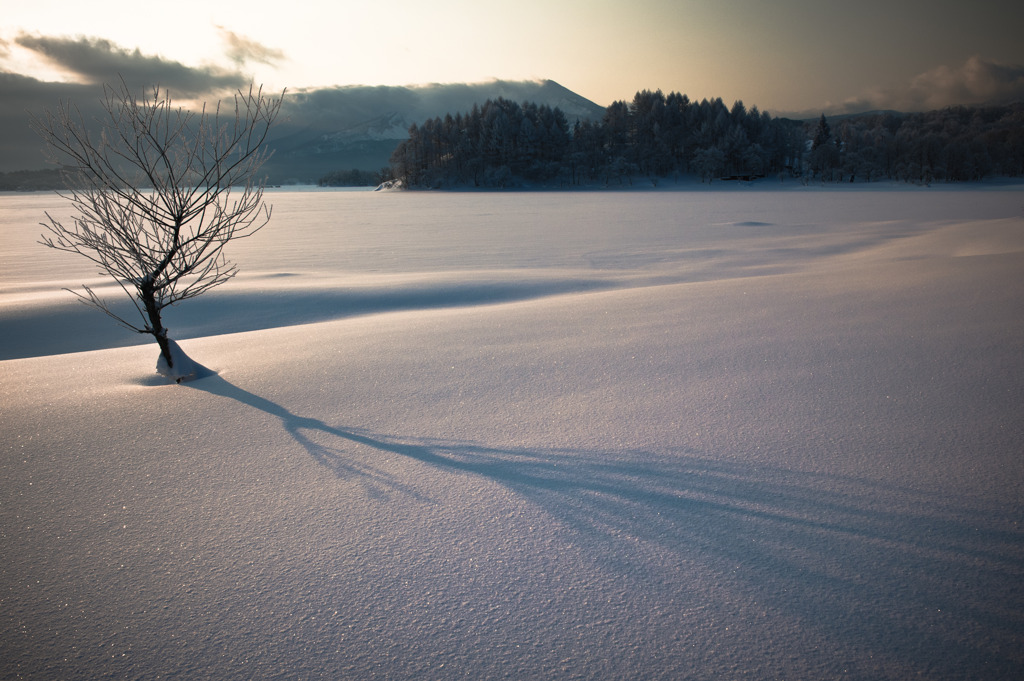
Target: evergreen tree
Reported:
[(503, 143), (822, 135)]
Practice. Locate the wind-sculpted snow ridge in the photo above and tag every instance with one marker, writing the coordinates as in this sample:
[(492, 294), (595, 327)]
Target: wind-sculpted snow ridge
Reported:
[(36, 330), (33, 322), (487, 269)]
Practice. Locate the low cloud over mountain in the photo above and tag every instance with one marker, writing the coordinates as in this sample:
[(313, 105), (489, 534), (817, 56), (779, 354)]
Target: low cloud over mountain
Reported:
[(977, 82), (358, 126), (319, 130), (341, 128)]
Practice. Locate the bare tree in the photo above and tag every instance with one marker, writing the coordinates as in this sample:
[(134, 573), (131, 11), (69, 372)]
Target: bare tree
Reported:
[(158, 192)]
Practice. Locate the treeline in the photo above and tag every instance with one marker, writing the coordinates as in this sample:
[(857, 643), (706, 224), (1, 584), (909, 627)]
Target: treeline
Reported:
[(957, 144), (502, 144), (355, 178), (30, 180)]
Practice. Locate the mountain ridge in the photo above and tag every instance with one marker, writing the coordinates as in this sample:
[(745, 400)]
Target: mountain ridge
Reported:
[(357, 126)]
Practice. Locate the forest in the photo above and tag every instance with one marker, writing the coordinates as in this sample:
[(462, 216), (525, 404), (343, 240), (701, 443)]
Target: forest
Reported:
[(657, 136), (31, 180)]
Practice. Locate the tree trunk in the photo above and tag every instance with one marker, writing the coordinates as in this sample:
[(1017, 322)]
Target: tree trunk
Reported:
[(165, 347), (155, 326)]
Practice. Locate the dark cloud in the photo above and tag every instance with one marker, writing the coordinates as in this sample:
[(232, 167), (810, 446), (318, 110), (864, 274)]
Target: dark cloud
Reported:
[(90, 62), (242, 49), (96, 60), (977, 82)]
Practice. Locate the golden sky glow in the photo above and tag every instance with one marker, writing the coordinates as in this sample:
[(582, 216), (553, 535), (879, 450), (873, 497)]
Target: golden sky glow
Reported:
[(787, 55)]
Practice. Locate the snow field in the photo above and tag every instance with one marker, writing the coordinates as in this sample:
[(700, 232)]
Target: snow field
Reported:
[(647, 435)]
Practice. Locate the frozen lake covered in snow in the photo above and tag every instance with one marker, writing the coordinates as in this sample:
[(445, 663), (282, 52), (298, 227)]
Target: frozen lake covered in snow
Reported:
[(666, 434)]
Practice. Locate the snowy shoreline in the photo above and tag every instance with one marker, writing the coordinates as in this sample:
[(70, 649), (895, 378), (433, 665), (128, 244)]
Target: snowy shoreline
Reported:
[(663, 184)]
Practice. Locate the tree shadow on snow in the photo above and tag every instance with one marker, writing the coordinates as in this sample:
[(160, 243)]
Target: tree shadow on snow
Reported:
[(932, 582)]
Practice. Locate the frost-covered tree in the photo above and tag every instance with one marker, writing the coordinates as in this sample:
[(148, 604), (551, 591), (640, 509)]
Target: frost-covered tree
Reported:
[(822, 134), (657, 135), (824, 152), (157, 193)]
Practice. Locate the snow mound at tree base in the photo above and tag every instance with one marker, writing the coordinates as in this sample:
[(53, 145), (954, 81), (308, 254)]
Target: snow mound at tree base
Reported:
[(184, 368)]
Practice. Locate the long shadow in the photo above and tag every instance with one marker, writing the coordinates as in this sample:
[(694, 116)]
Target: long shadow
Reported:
[(330, 456), (230, 311), (934, 582)]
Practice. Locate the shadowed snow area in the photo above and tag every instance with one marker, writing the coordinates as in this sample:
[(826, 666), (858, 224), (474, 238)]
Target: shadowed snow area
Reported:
[(251, 304), (334, 255), (657, 435)]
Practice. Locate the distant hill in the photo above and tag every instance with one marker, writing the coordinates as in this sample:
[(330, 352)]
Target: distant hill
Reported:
[(329, 129), (319, 130)]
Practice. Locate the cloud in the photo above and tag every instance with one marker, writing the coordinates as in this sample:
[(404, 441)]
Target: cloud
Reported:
[(96, 60), (242, 49), (90, 62), (335, 108), (977, 82)]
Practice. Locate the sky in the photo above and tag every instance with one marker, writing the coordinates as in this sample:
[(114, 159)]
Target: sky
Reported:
[(786, 56)]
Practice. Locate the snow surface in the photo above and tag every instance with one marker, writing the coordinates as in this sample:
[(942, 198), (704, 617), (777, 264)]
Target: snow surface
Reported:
[(638, 435)]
